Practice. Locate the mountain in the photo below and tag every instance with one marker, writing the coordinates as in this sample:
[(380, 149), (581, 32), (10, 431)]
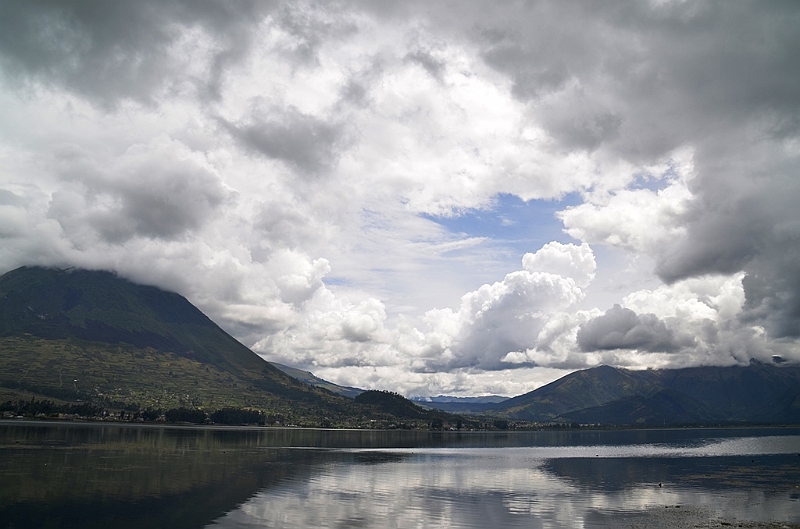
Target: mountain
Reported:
[(576, 391), (667, 406), (312, 380), (474, 405), (91, 335), (757, 393), (394, 404)]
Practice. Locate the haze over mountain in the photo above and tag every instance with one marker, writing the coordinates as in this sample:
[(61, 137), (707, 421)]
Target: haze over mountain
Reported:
[(312, 380), (473, 405)]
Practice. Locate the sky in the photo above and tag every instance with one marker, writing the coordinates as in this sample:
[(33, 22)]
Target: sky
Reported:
[(461, 198)]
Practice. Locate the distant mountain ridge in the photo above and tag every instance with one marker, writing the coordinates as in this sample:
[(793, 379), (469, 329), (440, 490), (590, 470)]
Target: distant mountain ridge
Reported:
[(309, 378), (486, 399), (472, 405), (758, 393)]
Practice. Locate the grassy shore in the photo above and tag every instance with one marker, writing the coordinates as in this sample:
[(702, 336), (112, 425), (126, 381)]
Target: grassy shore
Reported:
[(682, 516)]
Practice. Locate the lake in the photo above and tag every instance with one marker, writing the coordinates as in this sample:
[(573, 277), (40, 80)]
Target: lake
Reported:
[(124, 476)]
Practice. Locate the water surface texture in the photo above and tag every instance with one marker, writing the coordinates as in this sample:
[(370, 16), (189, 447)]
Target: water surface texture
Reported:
[(71, 475)]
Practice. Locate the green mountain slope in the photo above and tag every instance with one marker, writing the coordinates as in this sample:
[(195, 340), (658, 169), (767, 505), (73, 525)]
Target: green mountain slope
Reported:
[(758, 393), (664, 407), (101, 307), (94, 337), (387, 405), (755, 393), (576, 391), (88, 334)]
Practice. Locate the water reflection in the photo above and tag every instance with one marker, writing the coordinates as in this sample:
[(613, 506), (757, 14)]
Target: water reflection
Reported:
[(116, 476), (446, 490), (122, 476)]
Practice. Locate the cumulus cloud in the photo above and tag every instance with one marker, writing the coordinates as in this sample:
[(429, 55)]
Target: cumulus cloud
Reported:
[(640, 220), (297, 278), (334, 331), (567, 260), (709, 310), (497, 323), (718, 298)]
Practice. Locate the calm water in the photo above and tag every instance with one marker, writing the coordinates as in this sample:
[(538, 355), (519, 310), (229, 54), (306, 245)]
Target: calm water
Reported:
[(71, 475)]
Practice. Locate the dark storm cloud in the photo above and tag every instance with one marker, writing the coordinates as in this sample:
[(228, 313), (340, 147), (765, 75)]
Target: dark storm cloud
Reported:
[(641, 80), (535, 71), (116, 50), (301, 140), (621, 328), (745, 217), (155, 192), (673, 73)]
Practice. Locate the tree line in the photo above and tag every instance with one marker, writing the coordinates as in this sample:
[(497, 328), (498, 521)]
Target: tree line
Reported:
[(44, 408)]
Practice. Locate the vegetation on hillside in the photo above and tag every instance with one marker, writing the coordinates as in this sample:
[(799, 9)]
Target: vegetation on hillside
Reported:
[(753, 394)]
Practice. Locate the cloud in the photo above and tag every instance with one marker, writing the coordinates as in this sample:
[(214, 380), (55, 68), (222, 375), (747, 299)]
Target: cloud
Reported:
[(684, 82), (161, 190), (753, 227), (639, 220), (567, 260), (115, 51), (298, 279), (497, 323), (427, 61), (492, 327), (621, 328), (282, 225), (333, 331), (719, 298), (308, 143)]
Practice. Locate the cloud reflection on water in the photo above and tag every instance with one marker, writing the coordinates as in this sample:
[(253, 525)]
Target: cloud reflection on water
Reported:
[(471, 488)]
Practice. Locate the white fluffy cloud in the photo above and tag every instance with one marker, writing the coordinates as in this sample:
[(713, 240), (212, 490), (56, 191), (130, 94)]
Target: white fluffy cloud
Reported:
[(639, 220), (567, 260), (496, 325)]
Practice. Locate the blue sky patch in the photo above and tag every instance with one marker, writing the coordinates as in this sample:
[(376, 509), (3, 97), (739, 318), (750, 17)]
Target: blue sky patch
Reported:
[(512, 222)]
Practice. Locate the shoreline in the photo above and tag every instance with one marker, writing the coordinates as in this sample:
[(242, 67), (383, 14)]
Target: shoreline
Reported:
[(690, 516), (189, 426)]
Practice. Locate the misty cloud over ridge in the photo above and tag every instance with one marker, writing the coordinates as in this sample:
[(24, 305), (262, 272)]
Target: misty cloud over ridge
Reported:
[(289, 167)]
